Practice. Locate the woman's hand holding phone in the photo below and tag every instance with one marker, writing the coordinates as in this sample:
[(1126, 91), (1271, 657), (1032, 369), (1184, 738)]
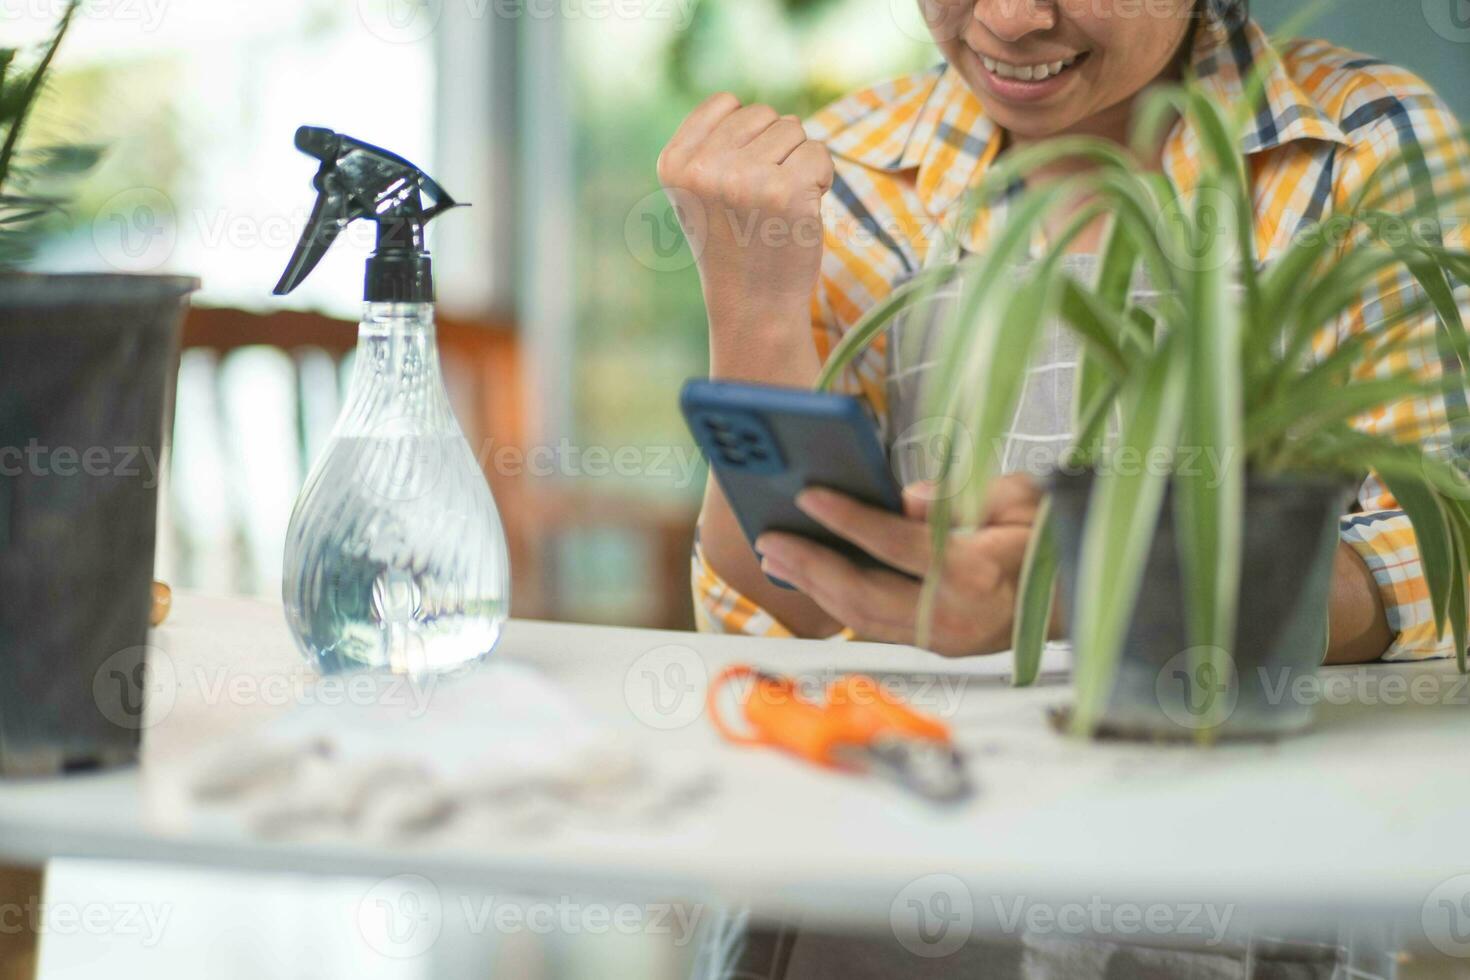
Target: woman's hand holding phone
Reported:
[(981, 571)]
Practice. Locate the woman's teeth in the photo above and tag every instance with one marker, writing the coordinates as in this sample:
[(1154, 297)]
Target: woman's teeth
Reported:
[(1028, 73)]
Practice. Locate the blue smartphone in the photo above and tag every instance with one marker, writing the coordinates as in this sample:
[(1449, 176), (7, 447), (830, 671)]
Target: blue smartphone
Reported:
[(765, 444)]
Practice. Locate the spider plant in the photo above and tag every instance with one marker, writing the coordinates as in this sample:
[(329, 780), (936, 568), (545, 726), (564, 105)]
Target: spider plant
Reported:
[(1220, 360), (25, 172)]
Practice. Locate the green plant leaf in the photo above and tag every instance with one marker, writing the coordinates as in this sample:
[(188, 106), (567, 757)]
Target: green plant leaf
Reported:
[(1451, 326), (997, 364), (1115, 272), (13, 94), (1459, 527), (1342, 448), (1360, 353), (1321, 304), (1099, 328), (1095, 386), (996, 351), (1229, 179), (1455, 260), (1090, 423), (1158, 107), (1022, 161), (1371, 346), (1140, 201), (1209, 507), (60, 161), (916, 293), (21, 217), (1419, 501), (1036, 593), (1307, 252), (1311, 407), (1122, 516), (16, 114), (965, 336)]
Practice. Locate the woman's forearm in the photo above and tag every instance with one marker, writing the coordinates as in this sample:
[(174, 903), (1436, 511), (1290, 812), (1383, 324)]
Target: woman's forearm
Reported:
[(770, 348), (1358, 629)]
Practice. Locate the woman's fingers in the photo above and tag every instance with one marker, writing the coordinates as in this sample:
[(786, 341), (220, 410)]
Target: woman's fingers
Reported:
[(812, 163), (1013, 499), (916, 500), (779, 140), (877, 604), (892, 538), (743, 125), (703, 121), (975, 599)]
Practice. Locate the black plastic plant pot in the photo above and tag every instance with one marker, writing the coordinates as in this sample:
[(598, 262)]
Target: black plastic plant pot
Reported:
[(1162, 690), (86, 373)]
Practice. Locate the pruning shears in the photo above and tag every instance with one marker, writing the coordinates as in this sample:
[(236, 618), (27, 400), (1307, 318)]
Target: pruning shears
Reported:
[(858, 727)]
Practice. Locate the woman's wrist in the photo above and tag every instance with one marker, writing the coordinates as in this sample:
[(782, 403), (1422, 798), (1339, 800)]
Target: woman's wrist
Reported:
[(763, 344)]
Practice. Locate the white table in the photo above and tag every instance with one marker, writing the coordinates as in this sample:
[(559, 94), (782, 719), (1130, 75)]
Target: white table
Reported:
[(1365, 816)]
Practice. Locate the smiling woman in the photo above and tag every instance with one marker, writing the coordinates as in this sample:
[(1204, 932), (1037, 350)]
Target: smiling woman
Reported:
[(886, 169), (885, 172)]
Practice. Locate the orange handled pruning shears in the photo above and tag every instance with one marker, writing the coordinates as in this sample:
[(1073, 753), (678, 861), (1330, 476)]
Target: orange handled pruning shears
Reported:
[(860, 726)]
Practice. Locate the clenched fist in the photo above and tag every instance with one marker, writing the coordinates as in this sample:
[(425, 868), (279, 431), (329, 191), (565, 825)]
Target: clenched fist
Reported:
[(747, 185)]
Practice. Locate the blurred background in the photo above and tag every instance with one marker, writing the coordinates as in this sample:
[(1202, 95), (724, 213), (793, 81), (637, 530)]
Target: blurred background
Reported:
[(570, 307)]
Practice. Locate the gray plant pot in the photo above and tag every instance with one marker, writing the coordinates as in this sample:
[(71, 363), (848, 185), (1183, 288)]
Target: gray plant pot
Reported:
[(1291, 533), (86, 370)]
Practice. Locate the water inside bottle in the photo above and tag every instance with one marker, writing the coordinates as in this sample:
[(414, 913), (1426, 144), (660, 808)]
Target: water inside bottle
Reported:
[(401, 562)]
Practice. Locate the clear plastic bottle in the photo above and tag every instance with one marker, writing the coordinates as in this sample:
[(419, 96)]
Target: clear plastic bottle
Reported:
[(396, 557)]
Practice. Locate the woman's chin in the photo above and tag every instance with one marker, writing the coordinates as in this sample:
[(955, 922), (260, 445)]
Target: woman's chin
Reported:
[(1033, 123)]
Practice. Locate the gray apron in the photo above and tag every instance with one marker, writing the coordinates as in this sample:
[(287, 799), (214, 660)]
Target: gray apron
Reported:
[(1041, 427)]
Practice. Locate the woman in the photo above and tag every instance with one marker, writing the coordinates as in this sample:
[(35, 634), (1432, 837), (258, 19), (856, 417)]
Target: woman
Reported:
[(864, 192), (869, 186)]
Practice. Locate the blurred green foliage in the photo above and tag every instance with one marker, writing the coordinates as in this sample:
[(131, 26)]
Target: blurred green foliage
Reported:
[(641, 325), (35, 181)]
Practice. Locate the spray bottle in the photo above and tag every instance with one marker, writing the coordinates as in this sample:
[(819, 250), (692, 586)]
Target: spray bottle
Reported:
[(395, 555)]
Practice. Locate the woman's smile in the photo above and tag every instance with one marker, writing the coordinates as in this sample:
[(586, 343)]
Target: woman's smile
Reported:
[(1042, 69), (1017, 81)]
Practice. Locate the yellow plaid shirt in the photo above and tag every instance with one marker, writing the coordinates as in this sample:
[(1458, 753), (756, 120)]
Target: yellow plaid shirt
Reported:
[(907, 150)]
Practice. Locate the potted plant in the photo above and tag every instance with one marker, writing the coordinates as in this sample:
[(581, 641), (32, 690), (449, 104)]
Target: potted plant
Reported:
[(86, 364), (1192, 593)]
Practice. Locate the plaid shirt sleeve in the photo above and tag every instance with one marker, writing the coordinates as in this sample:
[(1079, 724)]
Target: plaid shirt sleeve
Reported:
[(1380, 532)]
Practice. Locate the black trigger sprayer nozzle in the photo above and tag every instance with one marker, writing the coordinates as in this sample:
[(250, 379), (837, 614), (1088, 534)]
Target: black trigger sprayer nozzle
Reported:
[(360, 180)]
